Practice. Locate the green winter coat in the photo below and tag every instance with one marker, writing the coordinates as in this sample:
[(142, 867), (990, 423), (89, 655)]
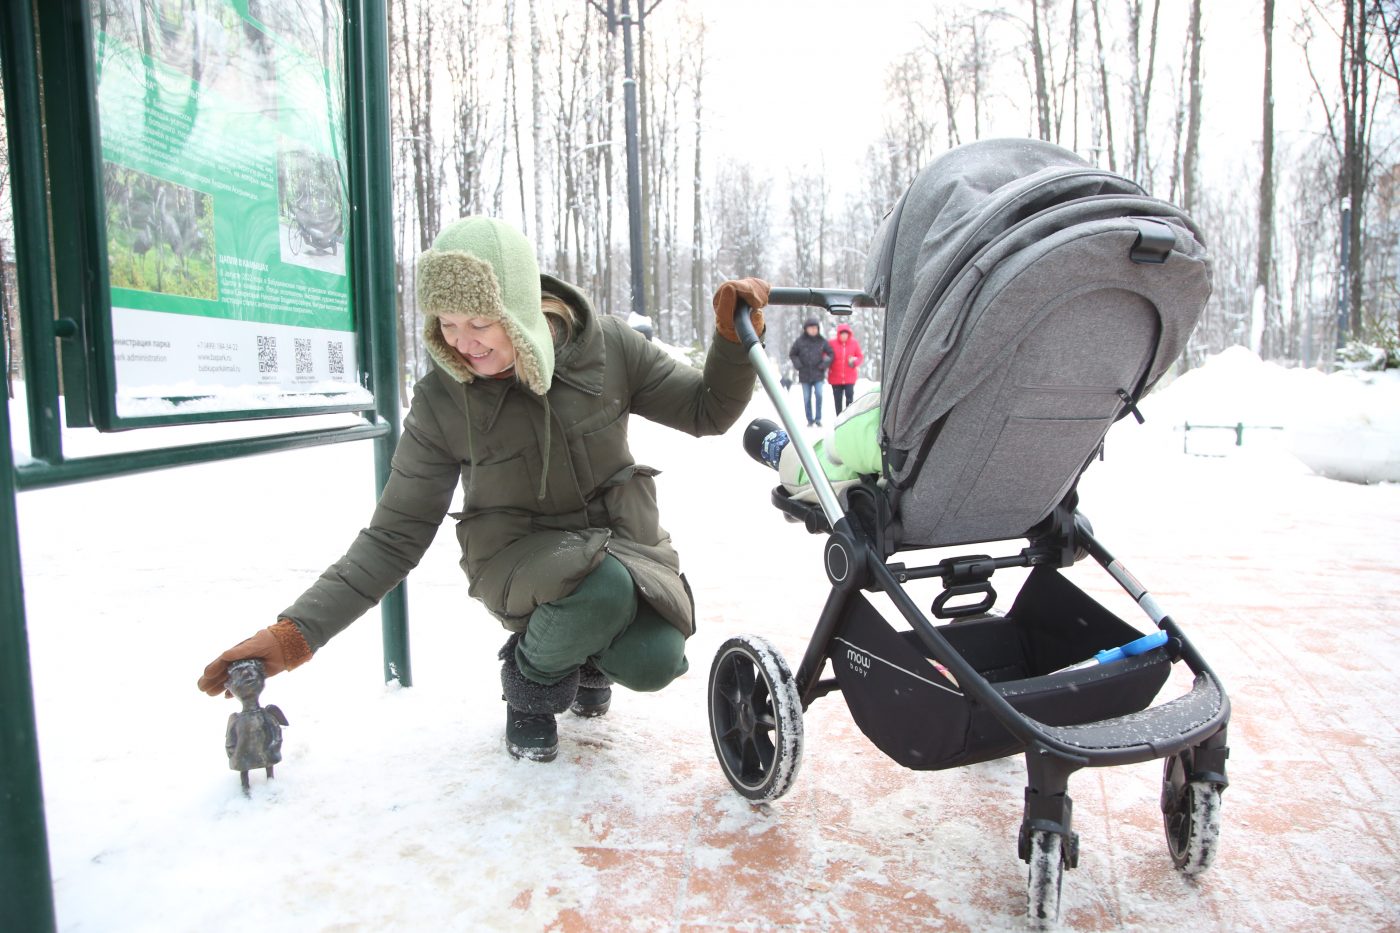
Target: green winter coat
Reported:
[(521, 548)]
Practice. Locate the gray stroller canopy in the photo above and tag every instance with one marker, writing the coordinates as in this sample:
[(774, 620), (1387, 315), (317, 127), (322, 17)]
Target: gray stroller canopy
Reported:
[(1030, 300)]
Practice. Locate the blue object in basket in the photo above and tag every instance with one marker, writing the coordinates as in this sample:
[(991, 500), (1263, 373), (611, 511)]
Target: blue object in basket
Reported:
[(1136, 646), (1109, 655)]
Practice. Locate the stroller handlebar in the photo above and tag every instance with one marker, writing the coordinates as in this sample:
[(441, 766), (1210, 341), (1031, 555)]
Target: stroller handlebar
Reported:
[(834, 300), (840, 301)]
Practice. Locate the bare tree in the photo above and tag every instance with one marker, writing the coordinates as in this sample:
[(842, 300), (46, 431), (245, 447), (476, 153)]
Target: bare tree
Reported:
[(807, 213), (979, 59), (1308, 225), (1140, 87), (741, 208), (697, 231), (537, 123), (910, 130), (1226, 320), (1350, 123), (413, 60), (661, 192), (415, 48), (582, 136), (512, 116), (470, 134), (951, 66), (1039, 67), (1264, 268), (1193, 110), (1105, 98)]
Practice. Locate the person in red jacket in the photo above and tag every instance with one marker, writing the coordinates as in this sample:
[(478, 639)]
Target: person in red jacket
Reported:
[(846, 357)]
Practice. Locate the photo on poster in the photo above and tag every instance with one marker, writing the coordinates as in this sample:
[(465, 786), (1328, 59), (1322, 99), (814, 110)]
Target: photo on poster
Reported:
[(160, 235), (205, 42), (312, 216)]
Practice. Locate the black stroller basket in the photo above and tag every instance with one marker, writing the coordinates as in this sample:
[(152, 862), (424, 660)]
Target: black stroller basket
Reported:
[(1057, 677)]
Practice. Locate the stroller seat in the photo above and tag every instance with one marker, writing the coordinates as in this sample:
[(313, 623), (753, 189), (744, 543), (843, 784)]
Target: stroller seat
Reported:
[(1071, 294)]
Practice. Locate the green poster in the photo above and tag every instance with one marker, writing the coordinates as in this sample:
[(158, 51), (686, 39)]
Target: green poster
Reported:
[(225, 179)]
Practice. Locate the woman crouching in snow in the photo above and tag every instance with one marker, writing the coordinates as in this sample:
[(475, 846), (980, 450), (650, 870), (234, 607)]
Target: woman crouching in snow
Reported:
[(527, 408)]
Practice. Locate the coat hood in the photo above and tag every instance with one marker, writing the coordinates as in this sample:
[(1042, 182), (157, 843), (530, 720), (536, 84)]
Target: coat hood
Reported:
[(844, 329), (485, 268)]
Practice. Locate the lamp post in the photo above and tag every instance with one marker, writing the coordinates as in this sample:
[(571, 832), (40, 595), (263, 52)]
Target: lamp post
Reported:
[(634, 177), (1344, 280)]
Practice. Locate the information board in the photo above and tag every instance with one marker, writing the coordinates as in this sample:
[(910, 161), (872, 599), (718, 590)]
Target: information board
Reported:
[(224, 170)]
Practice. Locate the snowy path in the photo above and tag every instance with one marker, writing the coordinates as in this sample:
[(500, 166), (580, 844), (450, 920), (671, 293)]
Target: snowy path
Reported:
[(399, 809)]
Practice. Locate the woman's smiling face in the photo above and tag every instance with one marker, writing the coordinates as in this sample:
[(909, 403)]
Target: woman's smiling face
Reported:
[(481, 342)]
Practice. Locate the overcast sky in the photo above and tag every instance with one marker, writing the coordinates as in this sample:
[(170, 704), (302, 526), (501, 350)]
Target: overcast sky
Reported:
[(802, 81)]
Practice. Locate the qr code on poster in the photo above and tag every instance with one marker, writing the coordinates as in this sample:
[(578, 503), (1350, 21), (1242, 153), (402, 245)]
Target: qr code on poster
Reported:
[(267, 354), (302, 346), (337, 359)]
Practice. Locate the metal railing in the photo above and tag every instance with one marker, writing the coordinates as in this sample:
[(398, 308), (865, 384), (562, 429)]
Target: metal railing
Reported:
[(1237, 428)]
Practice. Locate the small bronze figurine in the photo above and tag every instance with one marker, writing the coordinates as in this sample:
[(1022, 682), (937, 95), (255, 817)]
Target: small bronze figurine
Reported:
[(254, 736)]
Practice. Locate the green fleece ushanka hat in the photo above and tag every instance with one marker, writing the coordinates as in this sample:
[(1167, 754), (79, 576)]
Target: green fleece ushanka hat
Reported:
[(485, 268)]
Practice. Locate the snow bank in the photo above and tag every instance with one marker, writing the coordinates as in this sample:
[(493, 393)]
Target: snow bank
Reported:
[(1343, 426)]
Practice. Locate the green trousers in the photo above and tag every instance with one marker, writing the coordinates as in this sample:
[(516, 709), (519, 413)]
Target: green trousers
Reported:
[(605, 622)]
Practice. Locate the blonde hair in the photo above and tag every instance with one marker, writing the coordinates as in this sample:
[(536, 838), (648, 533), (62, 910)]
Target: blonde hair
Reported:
[(561, 317)]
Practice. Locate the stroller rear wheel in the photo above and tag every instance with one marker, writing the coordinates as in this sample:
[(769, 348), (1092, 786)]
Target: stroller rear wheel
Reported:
[(755, 717), (1191, 814)]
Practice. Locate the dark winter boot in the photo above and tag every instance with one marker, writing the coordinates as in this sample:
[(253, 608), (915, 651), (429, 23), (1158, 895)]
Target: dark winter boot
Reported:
[(530, 707), (594, 692)]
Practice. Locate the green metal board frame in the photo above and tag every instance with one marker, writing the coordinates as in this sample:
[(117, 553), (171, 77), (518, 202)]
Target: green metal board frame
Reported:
[(61, 265)]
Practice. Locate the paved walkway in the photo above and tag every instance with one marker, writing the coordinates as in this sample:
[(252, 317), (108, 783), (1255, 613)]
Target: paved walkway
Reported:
[(1296, 606)]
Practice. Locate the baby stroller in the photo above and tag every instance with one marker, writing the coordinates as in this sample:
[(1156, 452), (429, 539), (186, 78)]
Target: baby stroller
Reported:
[(1030, 300), (316, 224)]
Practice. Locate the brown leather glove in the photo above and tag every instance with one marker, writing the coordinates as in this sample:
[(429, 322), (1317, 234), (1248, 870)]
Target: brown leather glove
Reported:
[(755, 295), (281, 648)]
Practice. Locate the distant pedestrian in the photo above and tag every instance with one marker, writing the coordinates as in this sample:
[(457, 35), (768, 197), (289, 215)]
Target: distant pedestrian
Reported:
[(811, 357), (846, 357)]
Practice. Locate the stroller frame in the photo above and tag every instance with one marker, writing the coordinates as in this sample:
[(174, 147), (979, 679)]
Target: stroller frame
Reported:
[(755, 702)]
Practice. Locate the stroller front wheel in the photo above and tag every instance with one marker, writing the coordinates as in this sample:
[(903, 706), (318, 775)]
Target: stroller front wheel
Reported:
[(1191, 815), (1045, 876), (755, 717)]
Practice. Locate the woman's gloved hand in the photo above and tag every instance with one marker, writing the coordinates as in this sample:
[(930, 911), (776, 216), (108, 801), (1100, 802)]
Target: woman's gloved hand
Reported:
[(281, 648), (755, 295)]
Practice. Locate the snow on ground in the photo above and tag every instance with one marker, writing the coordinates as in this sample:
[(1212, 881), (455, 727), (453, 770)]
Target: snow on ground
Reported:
[(398, 808)]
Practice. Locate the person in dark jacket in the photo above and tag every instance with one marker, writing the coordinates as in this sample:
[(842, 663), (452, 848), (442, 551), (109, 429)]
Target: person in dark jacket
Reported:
[(527, 410), (846, 359), (811, 357)]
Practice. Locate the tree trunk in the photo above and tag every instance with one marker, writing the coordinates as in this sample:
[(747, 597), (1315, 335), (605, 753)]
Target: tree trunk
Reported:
[(1103, 88), (1356, 116), (1042, 90), (697, 230), (1193, 112), (513, 115), (1141, 164), (1263, 270), (537, 124)]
